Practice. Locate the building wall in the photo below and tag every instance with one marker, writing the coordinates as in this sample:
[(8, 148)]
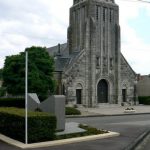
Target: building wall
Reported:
[(73, 77), (128, 82), (143, 86)]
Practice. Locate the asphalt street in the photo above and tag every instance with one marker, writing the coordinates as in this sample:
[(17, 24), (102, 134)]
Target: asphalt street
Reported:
[(130, 127)]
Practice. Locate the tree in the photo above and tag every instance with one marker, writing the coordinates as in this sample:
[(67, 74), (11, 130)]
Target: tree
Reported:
[(1, 72), (40, 73), (2, 89)]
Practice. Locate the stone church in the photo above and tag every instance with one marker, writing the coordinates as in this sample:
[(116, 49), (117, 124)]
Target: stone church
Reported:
[(90, 68)]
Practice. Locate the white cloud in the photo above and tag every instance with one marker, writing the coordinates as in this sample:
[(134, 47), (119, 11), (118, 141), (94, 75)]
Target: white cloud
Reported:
[(44, 22), (35, 22), (133, 47)]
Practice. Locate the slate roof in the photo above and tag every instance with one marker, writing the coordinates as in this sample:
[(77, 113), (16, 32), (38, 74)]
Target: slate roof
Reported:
[(62, 58), (53, 51), (61, 63)]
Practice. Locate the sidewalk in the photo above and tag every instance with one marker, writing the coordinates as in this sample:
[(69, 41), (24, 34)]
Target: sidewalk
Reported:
[(144, 144), (113, 110)]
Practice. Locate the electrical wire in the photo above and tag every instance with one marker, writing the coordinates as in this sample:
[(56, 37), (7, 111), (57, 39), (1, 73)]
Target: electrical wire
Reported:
[(141, 1)]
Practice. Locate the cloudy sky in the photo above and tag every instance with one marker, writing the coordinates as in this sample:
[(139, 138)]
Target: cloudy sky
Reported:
[(24, 23)]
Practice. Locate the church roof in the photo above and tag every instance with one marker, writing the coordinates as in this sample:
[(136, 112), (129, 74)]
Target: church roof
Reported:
[(124, 59), (61, 63), (61, 56), (53, 51)]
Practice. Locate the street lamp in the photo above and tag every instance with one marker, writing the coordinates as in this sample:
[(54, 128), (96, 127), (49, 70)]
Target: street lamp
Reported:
[(26, 97)]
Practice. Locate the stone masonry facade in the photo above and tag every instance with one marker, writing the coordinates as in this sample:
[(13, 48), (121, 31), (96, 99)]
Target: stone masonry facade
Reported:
[(90, 67)]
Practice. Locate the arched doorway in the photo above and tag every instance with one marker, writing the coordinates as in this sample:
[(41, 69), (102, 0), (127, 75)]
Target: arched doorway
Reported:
[(102, 91)]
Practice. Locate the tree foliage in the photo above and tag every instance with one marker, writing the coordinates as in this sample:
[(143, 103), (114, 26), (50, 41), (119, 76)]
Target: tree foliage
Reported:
[(40, 73), (1, 72)]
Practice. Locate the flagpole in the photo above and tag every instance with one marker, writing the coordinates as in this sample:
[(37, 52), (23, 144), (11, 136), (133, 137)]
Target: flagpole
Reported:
[(26, 97)]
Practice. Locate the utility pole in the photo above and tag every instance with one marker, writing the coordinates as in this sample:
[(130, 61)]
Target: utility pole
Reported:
[(26, 97)]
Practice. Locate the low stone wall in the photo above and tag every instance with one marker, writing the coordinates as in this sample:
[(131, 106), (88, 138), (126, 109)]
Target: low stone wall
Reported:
[(55, 104)]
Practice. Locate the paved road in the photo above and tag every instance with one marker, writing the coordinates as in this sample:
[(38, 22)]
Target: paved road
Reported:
[(130, 128)]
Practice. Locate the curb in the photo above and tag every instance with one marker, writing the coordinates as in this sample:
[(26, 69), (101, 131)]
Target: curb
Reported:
[(57, 142), (103, 115), (136, 142)]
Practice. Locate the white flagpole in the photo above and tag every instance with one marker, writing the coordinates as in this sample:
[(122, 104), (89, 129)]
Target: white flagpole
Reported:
[(26, 97)]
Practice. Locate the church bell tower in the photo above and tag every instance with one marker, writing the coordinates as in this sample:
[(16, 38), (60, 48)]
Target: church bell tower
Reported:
[(94, 28)]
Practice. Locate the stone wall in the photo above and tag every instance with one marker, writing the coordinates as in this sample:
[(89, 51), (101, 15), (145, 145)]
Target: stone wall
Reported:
[(73, 76), (128, 81)]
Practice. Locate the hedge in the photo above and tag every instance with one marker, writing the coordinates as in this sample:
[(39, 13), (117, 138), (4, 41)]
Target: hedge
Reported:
[(72, 111), (41, 126), (12, 102), (144, 100)]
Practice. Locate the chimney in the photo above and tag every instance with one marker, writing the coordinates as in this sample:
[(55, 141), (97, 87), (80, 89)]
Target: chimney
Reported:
[(58, 52), (59, 48)]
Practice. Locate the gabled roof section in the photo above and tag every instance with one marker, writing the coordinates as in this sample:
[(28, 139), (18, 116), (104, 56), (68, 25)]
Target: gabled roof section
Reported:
[(53, 51), (62, 57), (61, 63), (123, 58), (74, 57)]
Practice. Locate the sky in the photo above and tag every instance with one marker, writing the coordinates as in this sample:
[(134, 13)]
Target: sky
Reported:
[(24, 23)]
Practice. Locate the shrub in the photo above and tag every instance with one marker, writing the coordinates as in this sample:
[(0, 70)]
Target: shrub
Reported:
[(38, 109), (144, 100), (2, 91), (12, 102), (72, 111), (41, 126), (92, 130)]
